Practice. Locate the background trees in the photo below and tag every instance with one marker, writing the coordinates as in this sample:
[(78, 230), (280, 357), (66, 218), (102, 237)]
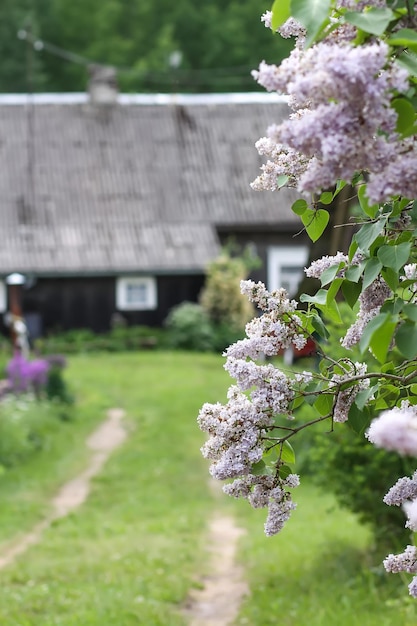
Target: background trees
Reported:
[(219, 43)]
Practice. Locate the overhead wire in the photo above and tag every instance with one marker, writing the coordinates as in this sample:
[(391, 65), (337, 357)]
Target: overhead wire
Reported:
[(178, 76)]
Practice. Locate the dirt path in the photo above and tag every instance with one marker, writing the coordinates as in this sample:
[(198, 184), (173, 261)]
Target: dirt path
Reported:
[(102, 443), (218, 602)]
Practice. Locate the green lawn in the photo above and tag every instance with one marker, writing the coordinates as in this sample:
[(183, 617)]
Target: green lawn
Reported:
[(129, 555)]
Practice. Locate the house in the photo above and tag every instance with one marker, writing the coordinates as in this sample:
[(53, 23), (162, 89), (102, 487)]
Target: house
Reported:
[(118, 206)]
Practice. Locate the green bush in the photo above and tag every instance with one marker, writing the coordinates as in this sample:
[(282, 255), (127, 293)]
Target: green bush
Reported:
[(358, 473), (25, 427), (119, 339), (189, 328), (221, 298)]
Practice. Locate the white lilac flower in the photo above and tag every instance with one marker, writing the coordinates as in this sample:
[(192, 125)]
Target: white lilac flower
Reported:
[(370, 302), (404, 562), (410, 271), (395, 429), (412, 587), (279, 511), (346, 397), (266, 18), (404, 489), (410, 509), (317, 267)]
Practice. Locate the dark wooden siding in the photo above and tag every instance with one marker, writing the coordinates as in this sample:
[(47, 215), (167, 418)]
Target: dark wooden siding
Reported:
[(260, 241), (55, 304)]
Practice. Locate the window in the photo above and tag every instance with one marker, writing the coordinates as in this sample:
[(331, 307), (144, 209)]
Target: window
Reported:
[(136, 293), (286, 267)]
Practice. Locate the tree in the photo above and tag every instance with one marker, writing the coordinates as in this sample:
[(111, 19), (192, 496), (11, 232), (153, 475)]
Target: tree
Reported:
[(139, 37), (351, 79)]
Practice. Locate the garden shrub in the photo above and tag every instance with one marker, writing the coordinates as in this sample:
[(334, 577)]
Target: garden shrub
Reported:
[(221, 298), (189, 327), (26, 425)]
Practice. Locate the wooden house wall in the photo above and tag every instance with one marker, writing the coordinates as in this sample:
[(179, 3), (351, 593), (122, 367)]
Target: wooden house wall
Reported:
[(261, 241), (57, 304)]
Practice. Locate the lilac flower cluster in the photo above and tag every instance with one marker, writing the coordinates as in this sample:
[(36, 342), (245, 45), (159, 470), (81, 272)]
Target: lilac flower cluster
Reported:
[(342, 121), (239, 429), (396, 429), (370, 302), (404, 562), (346, 397), (404, 489), (316, 269)]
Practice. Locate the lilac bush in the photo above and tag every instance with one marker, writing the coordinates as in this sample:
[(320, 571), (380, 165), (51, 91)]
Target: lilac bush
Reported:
[(351, 84), (26, 375)]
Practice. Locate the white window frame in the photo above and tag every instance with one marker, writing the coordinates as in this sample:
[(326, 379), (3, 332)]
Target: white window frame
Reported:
[(3, 297), (123, 283), (279, 257)]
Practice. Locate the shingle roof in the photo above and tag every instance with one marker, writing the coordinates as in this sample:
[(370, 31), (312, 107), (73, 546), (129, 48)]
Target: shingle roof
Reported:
[(139, 186)]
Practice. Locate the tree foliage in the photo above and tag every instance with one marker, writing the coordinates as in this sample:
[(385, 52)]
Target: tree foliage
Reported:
[(138, 37)]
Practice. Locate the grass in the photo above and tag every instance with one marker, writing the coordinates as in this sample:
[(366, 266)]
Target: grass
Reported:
[(319, 571), (130, 554)]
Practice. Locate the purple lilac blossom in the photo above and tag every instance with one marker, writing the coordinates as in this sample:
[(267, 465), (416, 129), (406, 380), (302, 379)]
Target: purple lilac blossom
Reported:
[(404, 489), (370, 302), (343, 121), (238, 430), (346, 397)]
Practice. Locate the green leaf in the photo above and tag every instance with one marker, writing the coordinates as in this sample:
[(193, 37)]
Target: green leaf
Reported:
[(312, 14), (363, 396), (405, 38), (315, 222), (368, 233), (326, 197), (391, 277), (352, 249), (370, 210), (319, 326), (287, 453), (329, 274), (382, 338), (284, 471), (358, 419), (372, 270), (282, 180), (373, 325), (281, 11), (410, 311), (299, 207), (324, 403), (319, 298), (374, 20), (355, 272), (406, 340), (395, 257), (408, 61), (333, 290), (331, 311), (259, 468), (351, 292), (393, 307), (406, 115)]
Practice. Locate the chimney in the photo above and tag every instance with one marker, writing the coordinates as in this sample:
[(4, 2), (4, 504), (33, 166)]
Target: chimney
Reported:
[(102, 86)]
